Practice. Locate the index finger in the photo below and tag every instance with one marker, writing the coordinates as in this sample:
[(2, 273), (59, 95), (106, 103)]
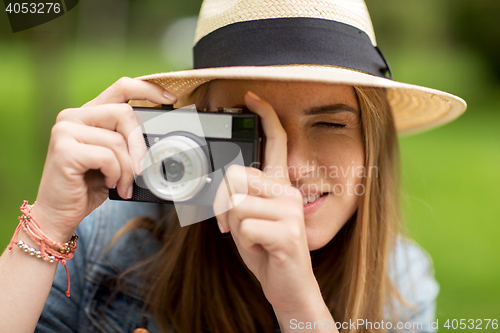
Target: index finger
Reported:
[(125, 89), (117, 117), (275, 155)]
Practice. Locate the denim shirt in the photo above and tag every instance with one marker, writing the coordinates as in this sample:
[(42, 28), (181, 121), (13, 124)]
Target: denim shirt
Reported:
[(92, 266)]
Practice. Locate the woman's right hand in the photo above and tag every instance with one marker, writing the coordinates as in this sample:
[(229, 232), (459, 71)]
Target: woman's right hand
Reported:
[(92, 149)]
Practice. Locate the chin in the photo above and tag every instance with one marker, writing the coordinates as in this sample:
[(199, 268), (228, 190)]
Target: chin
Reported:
[(313, 247), (320, 234), (316, 239), (321, 226)]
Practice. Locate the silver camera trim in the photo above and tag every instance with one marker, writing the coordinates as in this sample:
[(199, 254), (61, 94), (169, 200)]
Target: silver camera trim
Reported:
[(217, 126), (195, 164)]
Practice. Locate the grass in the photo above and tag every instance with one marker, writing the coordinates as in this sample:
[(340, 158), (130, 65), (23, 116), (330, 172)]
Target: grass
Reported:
[(450, 175), (451, 180), (32, 95)]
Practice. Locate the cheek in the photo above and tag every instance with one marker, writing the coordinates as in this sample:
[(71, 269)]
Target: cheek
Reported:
[(343, 161)]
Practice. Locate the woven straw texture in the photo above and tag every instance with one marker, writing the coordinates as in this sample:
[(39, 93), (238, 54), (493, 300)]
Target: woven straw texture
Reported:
[(415, 108), (215, 14)]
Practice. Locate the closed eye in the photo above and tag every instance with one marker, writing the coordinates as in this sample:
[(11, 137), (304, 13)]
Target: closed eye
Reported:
[(332, 125)]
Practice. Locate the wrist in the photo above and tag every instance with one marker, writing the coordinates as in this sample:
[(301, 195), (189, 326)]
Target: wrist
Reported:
[(305, 296), (314, 317), (51, 249), (309, 305), (45, 219), (317, 318)]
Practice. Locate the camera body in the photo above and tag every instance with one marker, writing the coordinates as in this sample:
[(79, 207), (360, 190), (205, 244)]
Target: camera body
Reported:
[(189, 151)]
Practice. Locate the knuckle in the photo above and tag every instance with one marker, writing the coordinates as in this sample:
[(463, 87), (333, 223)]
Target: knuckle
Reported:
[(121, 85), (121, 112), (121, 109), (122, 82), (108, 157), (60, 129), (246, 233), (294, 233), (62, 150), (233, 171), (127, 108), (126, 112), (118, 142), (254, 172), (64, 115), (281, 257), (244, 229)]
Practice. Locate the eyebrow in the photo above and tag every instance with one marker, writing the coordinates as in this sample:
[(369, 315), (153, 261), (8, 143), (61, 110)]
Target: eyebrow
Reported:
[(333, 108), (324, 109)]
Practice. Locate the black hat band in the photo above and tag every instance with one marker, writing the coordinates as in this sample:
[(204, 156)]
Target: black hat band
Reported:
[(290, 41)]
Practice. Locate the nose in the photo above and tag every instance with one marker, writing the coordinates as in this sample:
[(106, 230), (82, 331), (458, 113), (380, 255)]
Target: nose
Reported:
[(300, 157)]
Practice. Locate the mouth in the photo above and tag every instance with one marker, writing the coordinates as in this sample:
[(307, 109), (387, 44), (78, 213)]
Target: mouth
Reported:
[(312, 197), (313, 202)]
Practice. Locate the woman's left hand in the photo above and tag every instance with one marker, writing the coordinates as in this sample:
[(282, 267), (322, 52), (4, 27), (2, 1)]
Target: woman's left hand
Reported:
[(265, 216)]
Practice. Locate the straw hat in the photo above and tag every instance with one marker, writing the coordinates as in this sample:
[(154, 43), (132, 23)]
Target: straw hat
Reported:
[(329, 41)]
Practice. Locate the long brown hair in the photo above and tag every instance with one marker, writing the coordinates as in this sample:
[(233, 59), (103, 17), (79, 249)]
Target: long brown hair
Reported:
[(199, 283)]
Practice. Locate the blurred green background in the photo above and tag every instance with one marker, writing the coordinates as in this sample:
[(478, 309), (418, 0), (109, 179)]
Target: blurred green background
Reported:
[(451, 175)]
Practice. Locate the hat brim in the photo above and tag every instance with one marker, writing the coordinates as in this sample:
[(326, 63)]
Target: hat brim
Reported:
[(415, 108)]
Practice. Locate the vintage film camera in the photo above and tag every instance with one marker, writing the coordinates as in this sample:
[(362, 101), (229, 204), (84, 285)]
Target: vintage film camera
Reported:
[(189, 151)]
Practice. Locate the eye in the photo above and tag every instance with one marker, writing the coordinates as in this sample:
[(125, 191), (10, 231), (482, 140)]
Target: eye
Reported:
[(331, 125)]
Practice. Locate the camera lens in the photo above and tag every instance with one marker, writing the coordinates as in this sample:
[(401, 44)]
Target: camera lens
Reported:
[(176, 169), (172, 170)]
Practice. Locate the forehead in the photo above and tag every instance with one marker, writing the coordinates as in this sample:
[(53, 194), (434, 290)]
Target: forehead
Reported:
[(301, 95)]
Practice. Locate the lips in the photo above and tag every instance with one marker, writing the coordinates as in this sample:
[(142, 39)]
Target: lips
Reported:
[(311, 197), (312, 206)]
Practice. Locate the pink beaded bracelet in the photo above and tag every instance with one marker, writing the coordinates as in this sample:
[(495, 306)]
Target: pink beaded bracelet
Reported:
[(50, 251)]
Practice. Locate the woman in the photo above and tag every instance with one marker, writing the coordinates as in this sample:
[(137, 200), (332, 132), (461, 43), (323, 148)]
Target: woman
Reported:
[(310, 242)]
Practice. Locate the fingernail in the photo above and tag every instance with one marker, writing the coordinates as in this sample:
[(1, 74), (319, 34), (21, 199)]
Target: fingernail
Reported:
[(220, 227), (168, 95), (252, 95), (130, 191), (114, 186)]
